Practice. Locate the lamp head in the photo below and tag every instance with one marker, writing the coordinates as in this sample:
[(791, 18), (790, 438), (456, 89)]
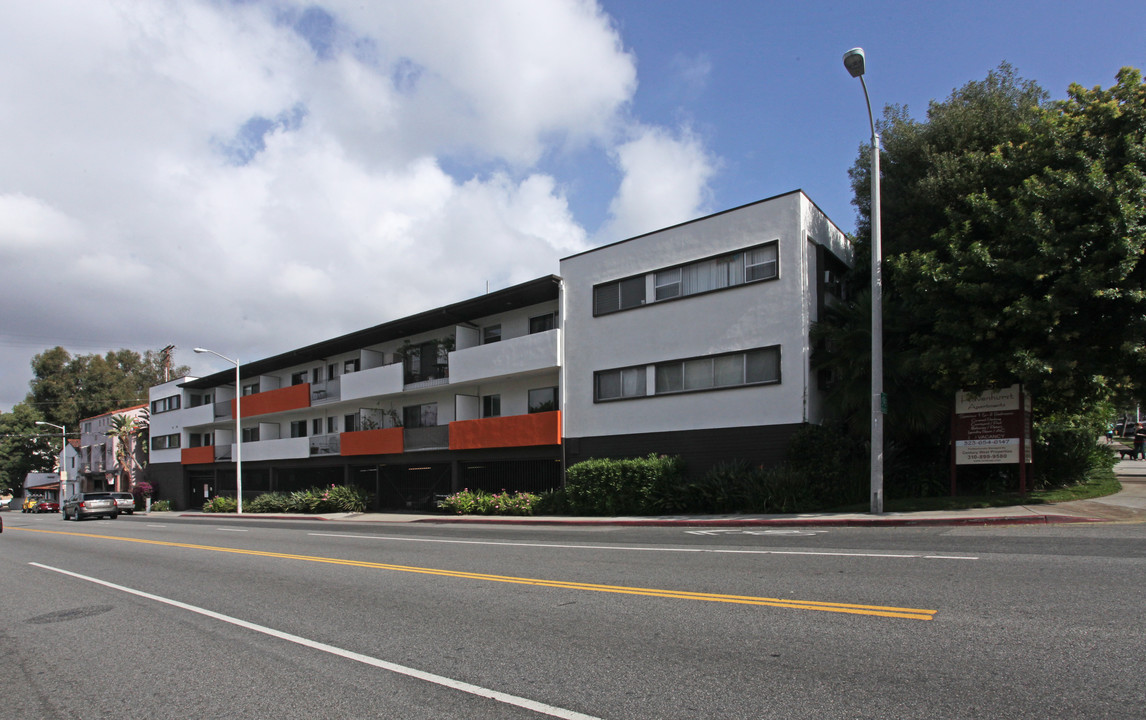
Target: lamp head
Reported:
[(201, 350), (854, 61)]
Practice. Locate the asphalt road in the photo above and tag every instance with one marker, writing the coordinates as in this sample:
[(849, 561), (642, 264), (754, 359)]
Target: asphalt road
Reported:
[(144, 617)]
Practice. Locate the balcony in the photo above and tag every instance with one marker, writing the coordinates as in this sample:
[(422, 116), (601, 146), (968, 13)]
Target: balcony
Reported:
[(324, 445), (281, 449), (371, 442), (502, 432), (384, 380), (436, 437), (198, 455), (516, 356), (273, 401), (326, 392)]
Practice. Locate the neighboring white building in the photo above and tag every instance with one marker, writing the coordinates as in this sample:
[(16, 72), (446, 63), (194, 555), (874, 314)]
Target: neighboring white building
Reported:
[(693, 340), (99, 467), (459, 396)]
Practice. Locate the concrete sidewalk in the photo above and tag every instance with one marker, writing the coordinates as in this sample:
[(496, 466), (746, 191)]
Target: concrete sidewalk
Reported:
[(1129, 505)]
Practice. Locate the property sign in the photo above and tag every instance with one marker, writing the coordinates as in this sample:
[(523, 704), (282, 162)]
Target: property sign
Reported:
[(989, 428)]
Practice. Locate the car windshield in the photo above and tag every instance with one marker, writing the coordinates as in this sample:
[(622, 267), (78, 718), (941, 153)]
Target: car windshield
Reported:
[(97, 496)]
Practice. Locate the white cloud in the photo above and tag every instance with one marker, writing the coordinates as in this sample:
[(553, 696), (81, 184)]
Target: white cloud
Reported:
[(665, 180), (255, 176)]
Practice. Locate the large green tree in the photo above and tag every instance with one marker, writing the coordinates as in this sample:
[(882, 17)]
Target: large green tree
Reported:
[(1014, 241), (66, 388), (24, 447)]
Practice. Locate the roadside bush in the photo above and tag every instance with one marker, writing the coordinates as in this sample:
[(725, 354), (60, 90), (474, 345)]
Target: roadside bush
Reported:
[(1067, 455), (161, 506), (220, 504), (349, 498), (141, 491), (631, 486), (479, 502), (272, 502)]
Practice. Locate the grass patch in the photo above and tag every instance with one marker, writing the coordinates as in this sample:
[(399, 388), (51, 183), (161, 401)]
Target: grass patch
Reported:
[(1099, 483)]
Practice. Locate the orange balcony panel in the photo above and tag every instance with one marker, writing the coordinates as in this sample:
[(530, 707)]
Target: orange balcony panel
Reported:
[(512, 431), (371, 442), (198, 455), (272, 401)]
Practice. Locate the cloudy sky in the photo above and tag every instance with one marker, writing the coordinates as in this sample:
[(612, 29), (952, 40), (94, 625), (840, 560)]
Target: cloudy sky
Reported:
[(256, 175)]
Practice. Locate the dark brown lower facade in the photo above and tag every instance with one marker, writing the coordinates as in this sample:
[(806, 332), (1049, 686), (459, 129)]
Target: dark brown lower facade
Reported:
[(406, 481)]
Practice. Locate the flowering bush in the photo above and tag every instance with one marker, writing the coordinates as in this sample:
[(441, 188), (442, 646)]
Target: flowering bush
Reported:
[(220, 504), (479, 502)]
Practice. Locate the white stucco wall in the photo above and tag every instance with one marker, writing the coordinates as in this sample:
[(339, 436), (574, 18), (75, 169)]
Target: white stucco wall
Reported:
[(759, 314)]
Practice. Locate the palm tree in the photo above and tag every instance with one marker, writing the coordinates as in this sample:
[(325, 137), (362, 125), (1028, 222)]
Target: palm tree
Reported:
[(124, 429)]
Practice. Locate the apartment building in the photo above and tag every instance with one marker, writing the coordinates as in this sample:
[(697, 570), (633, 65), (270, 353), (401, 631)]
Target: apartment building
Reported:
[(692, 341), (101, 466), (460, 396)]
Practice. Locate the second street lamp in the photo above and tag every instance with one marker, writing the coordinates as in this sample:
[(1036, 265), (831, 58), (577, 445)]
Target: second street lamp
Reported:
[(238, 430), (854, 61)]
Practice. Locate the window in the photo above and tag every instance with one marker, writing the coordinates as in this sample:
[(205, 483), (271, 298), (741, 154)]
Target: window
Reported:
[(491, 406), (298, 378), (316, 426), (350, 423), (725, 271), (251, 434), (87, 427), (419, 416), (298, 428), (541, 323), (718, 371), (351, 366), (197, 399), (543, 400), (761, 263), (251, 389), (165, 442), (331, 425), (199, 439), (668, 284), (166, 404), (331, 371), (622, 295), (614, 384), (491, 334), (316, 375)]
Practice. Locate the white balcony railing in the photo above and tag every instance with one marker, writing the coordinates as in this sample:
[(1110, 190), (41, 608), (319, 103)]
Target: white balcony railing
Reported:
[(525, 354)]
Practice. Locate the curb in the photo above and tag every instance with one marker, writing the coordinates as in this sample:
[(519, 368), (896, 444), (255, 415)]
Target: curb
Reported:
[(780, 522)]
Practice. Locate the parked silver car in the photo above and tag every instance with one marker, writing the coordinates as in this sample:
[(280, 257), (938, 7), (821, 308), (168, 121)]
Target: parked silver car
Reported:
[(93, 504), (124, 501)]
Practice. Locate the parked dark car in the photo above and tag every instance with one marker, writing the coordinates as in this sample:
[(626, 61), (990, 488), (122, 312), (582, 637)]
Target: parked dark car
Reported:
[(124, 501), (46, 506), (93, 504)]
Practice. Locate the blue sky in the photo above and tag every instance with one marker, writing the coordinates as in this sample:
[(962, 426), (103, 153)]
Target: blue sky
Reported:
[(258, 175)]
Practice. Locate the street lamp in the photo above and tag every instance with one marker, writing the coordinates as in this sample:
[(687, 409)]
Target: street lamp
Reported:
[(63, 456), (238, 430), (854, 62)]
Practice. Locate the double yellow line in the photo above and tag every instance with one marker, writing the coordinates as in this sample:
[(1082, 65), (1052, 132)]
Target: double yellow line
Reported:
[(853, 609)]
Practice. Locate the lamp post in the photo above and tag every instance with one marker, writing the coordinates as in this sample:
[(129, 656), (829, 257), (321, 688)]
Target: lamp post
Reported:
[(63, 456), (854, 62), (238, 430)]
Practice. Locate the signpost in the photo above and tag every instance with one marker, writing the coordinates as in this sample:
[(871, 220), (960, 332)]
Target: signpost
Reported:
[(992, 428)]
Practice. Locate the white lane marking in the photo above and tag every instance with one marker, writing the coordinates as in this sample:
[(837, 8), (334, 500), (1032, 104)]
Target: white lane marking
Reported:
[(231, 529), (501, 697), (645, 549), (156, 526)]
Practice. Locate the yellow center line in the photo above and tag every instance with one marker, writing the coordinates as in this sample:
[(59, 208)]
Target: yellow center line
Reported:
[(854, 609)]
